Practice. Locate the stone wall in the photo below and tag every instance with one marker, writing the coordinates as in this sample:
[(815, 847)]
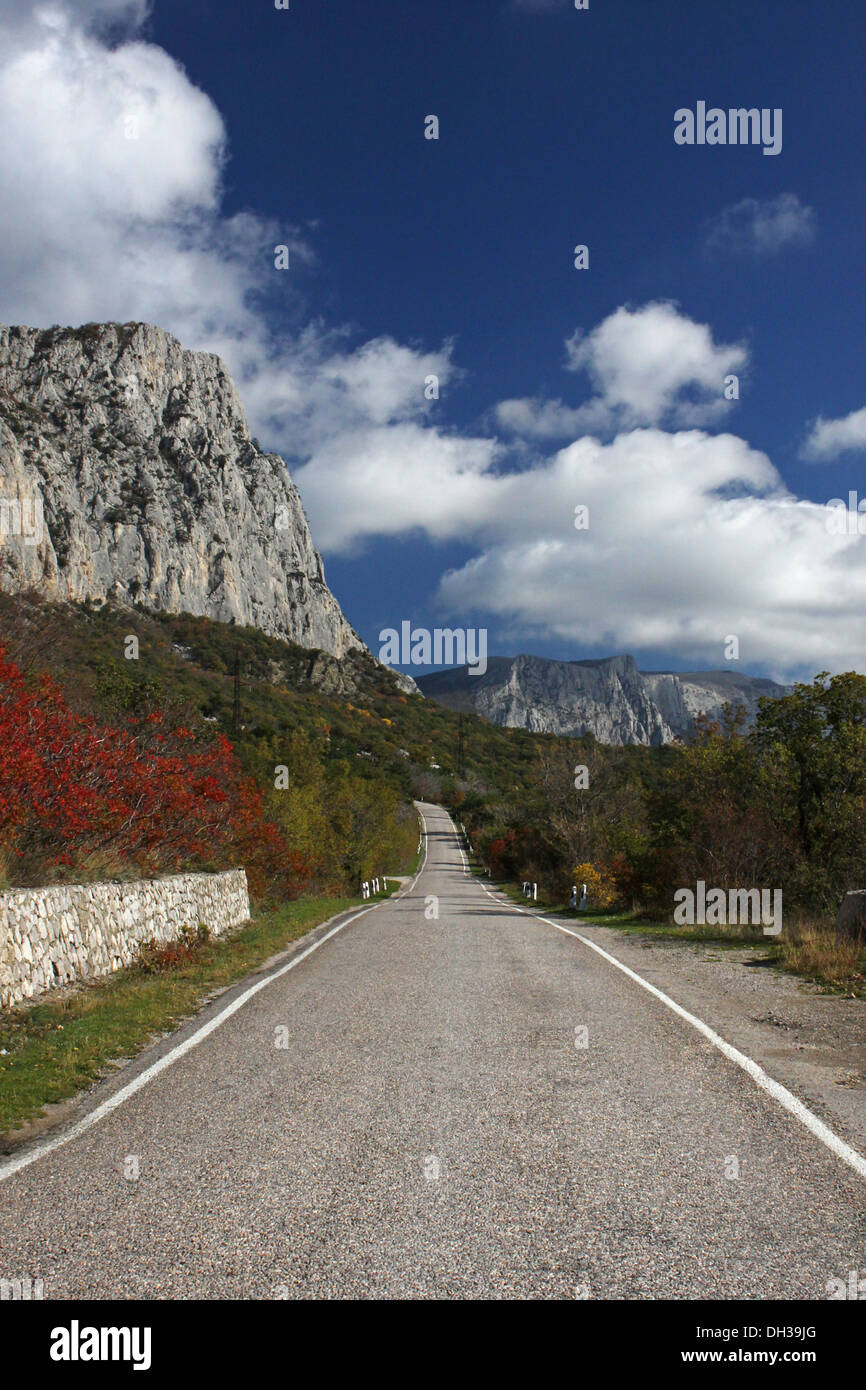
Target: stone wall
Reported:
[(55, 936)]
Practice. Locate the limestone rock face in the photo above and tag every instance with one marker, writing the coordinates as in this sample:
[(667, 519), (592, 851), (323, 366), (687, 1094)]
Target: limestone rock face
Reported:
[(609, 698), (127, 472), (683, 695), (563, 697)]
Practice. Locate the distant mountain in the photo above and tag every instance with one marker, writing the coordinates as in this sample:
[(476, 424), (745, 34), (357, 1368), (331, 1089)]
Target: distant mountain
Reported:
[(610, 698)]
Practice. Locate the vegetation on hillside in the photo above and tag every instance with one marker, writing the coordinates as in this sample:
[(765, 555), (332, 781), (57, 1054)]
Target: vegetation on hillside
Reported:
[(319, 763), (130, 757), (782, 805), (778, 806)]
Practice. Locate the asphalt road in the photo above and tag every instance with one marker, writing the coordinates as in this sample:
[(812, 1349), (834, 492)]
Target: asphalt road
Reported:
[(430, 1128)]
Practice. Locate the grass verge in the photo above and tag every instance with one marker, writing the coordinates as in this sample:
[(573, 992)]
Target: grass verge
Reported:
[(54, 1048)]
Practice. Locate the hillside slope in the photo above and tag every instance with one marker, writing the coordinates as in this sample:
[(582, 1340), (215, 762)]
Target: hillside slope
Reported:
[(290, 698)]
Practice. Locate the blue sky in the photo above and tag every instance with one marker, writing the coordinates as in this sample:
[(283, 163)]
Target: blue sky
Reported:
[(306, 127)]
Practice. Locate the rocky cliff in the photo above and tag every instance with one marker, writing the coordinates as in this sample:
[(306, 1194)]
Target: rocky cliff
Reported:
[(127, 472), (611, 698)]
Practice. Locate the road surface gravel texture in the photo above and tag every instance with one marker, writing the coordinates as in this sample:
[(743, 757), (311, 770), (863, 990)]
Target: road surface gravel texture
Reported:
[(410, 1112)]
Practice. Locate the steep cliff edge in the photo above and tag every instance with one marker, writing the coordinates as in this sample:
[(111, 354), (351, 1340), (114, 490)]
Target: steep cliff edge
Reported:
[(127, 472)]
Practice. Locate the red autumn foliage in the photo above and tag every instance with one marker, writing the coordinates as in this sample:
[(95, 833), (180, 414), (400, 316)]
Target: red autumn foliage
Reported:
[(145, 794), (501, 855)]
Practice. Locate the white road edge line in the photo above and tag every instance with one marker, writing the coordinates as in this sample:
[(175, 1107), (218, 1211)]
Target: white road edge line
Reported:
[(773, 1088), (14, 1165)]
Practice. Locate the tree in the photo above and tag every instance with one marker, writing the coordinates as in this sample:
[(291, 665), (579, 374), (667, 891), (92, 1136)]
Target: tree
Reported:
[(594, 803), (814, 740), (144, 795)]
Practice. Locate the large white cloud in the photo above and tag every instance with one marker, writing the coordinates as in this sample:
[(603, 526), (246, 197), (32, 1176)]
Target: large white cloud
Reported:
[(94, 133), (691, 538), (397, 479), (110, 173)]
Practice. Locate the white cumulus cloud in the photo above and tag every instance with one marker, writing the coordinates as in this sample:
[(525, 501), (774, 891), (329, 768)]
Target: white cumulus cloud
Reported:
[(691, 538), (648, 366)]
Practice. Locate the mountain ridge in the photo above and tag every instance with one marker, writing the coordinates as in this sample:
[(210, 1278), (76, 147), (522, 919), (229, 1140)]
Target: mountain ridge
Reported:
[(608, 697)]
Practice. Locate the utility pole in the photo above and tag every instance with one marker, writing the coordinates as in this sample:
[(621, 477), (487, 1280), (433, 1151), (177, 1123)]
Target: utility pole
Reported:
[(461, 752), (236, 704)]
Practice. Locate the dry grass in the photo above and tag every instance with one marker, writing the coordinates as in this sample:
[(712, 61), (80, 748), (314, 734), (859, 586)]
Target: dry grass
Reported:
[(809, 948)]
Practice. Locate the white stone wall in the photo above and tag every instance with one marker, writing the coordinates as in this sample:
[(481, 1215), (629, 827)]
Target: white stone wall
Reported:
[(55, 936)]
